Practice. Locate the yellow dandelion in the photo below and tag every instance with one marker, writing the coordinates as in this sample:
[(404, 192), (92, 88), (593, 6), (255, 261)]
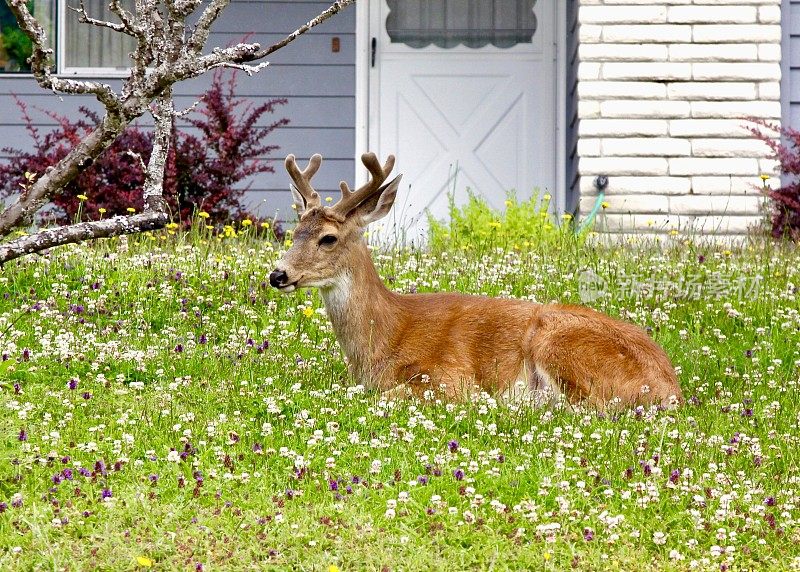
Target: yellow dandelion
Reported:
[(131, 210), (294, 206), (203, 214), (566, 216), (172, 226), (605, 204), (495, 224), (727, 253), (287, 243), (144, 561), (247, 222), (673, 232), (333, 568), (327, 200), (308, 312), (764, 177), (547, 556), (265, 225), (83, 198), (101, 210), (508, 203), (546, 196), (30, 177)]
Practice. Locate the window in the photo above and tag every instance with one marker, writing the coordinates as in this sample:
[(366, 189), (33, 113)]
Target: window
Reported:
[(15, 47), (473, 23), (81, 49), (88, 49)]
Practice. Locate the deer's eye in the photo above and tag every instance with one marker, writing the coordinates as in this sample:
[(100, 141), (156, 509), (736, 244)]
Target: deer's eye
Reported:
[(328, 240)]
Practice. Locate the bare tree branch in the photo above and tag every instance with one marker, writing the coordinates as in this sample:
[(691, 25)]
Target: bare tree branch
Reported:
[(155, 207), (335, 8), (84, 18), (164, 56), (203, 27)]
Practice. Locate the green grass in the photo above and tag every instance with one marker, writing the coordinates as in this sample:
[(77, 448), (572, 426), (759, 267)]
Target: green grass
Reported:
[(165, 338)]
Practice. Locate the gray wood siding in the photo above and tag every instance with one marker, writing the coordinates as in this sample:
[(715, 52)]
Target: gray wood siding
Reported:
[(572, 183), (790, 63), (318, 83)]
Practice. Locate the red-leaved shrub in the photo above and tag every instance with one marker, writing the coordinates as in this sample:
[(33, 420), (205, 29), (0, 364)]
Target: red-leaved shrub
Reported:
[(786, 199), (205, 170)]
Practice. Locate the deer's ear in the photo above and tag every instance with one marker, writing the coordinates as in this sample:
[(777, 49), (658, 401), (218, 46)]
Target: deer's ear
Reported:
[(299, 201), (379, 205)]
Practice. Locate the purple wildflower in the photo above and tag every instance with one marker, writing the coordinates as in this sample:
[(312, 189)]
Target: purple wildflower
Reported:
[(23, 435), (422, 479), (453, 446), (73, 384), (458, 474)]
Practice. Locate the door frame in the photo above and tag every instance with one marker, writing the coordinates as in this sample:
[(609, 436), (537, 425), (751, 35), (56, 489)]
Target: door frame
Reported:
[(362, 99)]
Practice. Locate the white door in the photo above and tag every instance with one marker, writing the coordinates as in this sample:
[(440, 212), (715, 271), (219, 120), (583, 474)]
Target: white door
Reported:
[(463, 93)]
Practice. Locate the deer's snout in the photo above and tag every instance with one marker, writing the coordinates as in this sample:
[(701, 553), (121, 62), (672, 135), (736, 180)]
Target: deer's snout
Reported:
[(278, 278)]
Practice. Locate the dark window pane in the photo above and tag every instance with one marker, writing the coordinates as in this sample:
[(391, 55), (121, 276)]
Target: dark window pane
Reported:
[(15, 47)]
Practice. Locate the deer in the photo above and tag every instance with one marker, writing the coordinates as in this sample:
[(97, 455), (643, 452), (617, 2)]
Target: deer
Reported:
[(452, 345)]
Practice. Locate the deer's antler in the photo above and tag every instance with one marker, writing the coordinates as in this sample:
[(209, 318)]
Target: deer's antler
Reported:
[(351, 199), (302, 179)]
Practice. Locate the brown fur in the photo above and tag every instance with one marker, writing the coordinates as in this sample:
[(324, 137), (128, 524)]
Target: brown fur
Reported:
[(451, 344)]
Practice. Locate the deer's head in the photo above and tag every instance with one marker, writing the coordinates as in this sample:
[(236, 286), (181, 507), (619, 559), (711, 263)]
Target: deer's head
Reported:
[(326, 237)]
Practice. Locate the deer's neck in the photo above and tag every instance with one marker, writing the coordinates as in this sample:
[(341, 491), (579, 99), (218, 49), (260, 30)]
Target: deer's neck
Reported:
[(362, 312)]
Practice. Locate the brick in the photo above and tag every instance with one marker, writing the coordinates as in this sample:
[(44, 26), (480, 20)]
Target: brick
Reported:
[(711, 91), (726, 71), (769, 52), (632, 166), (653, 33), (639, 185), (708, 128), (588, 109), (621, 89), (730, 148), (622, 127), (712, 166), (716, 14), (622, 52), (588, 33), (769, 14), (661, 71), (713, 52), (719, 185), (733, 109), (715, 204), (751, 185), (646, 222), (630, 203), (736, 33), (769, 167), (769, 91), (589, 147), (646, 147), (589, 71), (624, 14), (727, 224), (624, 108)]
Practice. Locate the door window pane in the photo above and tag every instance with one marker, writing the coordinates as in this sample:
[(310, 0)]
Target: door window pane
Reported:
[(15, 47), (88, 46), (473, 23)]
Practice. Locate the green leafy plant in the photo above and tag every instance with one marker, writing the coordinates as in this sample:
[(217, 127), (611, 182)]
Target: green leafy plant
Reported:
[(525, 224)]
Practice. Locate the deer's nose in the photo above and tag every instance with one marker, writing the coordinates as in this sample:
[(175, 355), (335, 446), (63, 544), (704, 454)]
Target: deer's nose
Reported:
[(278, 278)]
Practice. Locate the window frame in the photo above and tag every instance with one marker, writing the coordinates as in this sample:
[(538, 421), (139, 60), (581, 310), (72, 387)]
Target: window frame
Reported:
[(88, 72)]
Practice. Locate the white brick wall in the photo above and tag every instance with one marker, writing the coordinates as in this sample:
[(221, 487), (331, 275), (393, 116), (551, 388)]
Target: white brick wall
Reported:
[(663, 88)]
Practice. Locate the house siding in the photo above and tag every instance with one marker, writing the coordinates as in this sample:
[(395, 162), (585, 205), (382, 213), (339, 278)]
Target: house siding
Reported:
[(663, 87), (791, 64), (571, 179), (318, 83)]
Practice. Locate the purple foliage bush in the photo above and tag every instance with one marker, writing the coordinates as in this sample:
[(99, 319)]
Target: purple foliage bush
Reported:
[(786, 199), (205, 171)]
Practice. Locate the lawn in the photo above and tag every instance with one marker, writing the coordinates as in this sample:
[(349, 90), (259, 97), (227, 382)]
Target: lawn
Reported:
[(164, 408)]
